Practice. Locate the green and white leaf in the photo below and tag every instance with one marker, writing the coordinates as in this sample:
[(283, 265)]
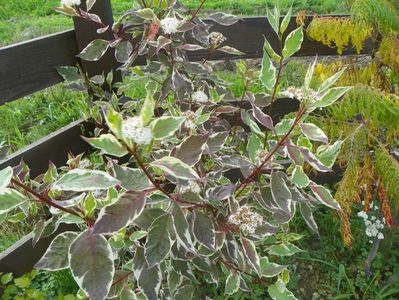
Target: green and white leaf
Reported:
[(309, 74), (10, 199), (274, 19), (5, 177), (324, 196), (132, 179), (175, 167), (331, 96), (286, 249), (299, 177), (313, 132), (327, 154), (95, 50), (286, 21), (251, 254), (293, 42), (268, 71), (269, 49), (108, 144), (232, 283), (159, 240), (120, 213), (147, 111), (329, 82), (278, 291), (92, 265), (79, 180), (166, 126), (56, 256), (182, 228), (204, 230), (269, 269)]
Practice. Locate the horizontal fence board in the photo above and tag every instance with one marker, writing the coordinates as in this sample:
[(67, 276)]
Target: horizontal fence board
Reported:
[(54, 147), (21, 257), (247, 35), (31, 66)]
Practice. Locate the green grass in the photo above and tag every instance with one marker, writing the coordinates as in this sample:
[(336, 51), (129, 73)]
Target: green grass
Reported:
[(26, 120)]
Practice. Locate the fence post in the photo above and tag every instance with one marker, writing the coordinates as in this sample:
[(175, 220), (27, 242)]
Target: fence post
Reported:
[(86, 32)]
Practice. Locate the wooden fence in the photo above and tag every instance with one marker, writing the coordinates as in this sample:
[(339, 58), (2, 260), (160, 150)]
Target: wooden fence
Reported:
[(30, 66)]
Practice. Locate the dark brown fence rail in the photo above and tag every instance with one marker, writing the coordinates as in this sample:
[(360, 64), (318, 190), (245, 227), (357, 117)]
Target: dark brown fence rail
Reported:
[(30, 66)]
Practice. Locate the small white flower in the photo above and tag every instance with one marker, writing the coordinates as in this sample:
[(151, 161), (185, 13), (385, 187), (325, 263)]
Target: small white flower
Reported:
[(299, 94), (362, 214), (234, 219), (216, 38), (192, 187), (170, 25), (132, 128), (373, 218), (247, 219), (200, 97), (70, 2), (143, 136), (380, 236)]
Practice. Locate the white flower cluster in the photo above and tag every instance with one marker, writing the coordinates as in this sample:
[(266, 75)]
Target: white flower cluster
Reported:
[(70, 2), (190, 119), (261, 155), (374, 226), (247, 219), (216, 38), (192, 187), (299, 94), (170, 25), (132, 128), (200, 97)]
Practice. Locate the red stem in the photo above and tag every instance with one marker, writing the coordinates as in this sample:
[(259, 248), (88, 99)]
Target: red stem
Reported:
[(280, 67), (197, 11), (45, 199), (281, 142)]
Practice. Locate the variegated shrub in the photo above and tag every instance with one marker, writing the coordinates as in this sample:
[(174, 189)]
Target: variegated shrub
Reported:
[(184, 197)]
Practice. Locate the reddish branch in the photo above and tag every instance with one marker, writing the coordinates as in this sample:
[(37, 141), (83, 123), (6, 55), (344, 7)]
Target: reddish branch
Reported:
[(280, 68), (233, 267), (197, 11), (280, 143), (158, 186), (44, 199)]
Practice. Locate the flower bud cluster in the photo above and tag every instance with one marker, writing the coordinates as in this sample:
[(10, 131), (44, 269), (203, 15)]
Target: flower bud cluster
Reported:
[(200, 97), (216, 38), (247, 219), (192, 187), (190, 119), (374, 226), (261, 155), (70, 2), (170, 25), (132, 128), (299, 94)]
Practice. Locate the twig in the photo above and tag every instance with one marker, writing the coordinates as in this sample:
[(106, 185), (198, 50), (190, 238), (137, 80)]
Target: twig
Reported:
[(280, 67), (197, 11), (44, 199), (281, 142)]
